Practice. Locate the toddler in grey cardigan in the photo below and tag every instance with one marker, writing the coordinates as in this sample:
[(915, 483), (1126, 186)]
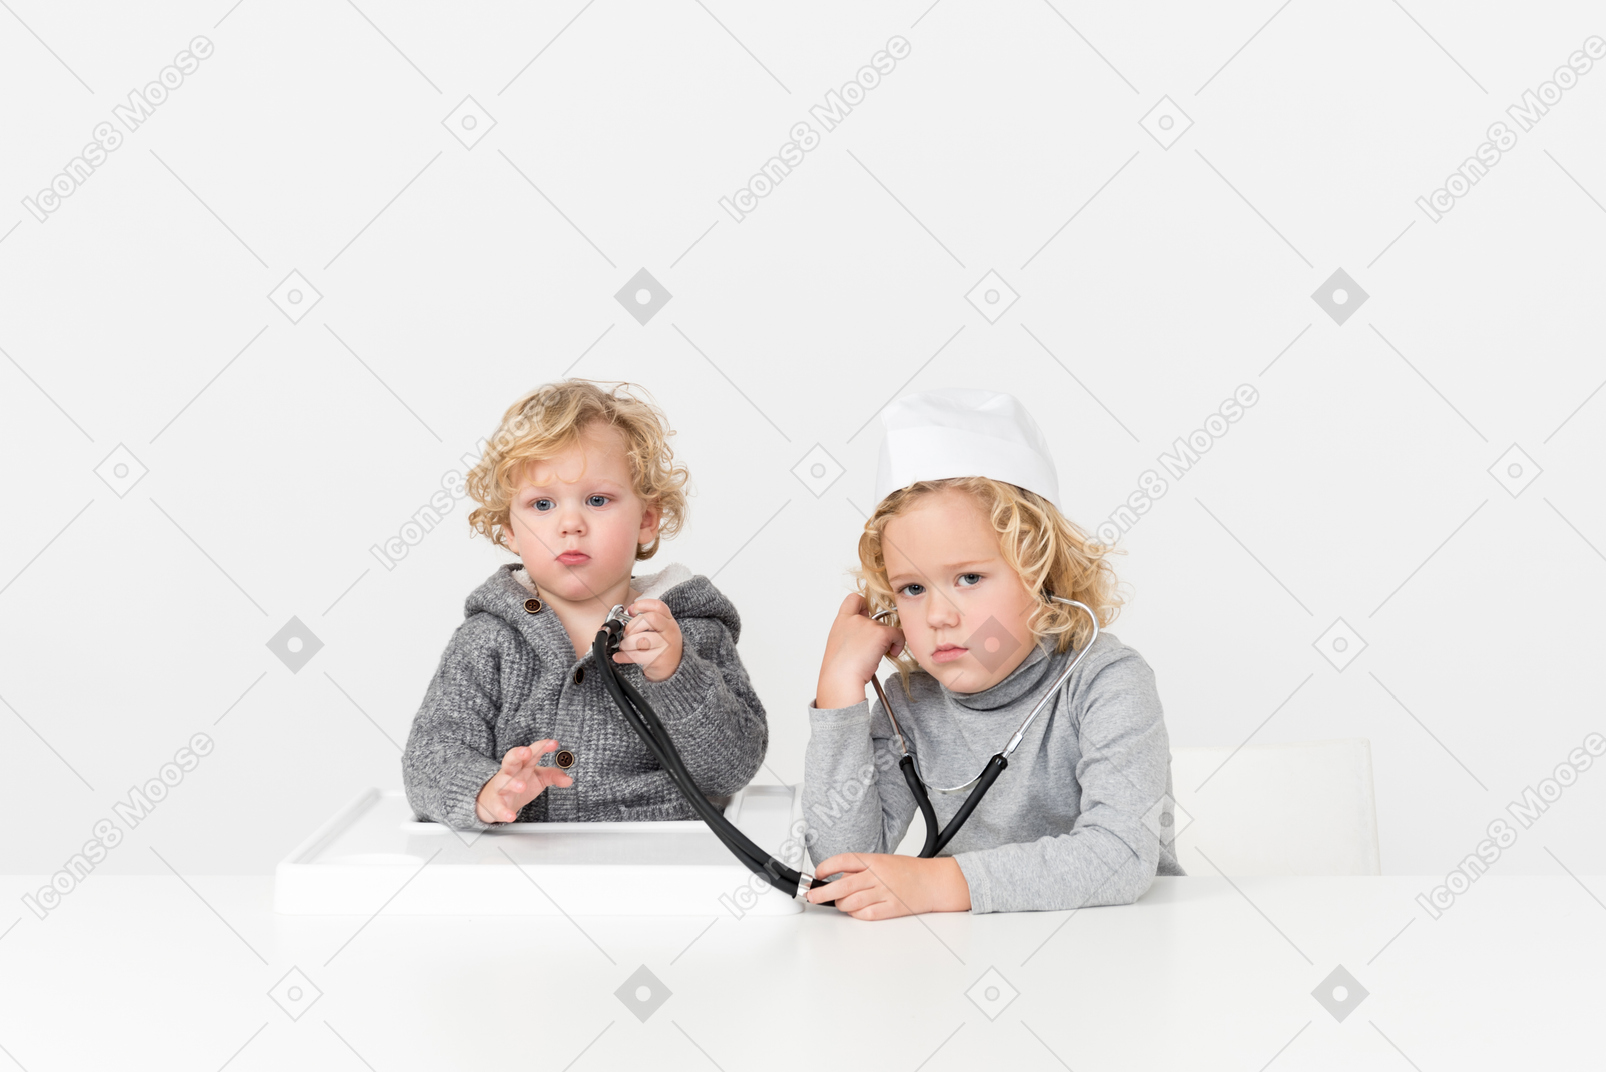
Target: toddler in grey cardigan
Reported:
[(580, 483)]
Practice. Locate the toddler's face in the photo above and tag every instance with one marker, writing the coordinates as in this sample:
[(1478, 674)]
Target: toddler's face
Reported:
[(962, 608), (576, 521)]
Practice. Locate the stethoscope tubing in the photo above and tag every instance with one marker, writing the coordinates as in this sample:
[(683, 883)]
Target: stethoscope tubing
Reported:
[(645, 723)]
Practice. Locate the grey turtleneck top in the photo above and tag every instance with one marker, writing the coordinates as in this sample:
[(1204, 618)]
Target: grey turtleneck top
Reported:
[(1075, 819)]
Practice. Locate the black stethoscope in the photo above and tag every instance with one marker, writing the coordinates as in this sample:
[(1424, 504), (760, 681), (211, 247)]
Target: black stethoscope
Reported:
[(790, 881)]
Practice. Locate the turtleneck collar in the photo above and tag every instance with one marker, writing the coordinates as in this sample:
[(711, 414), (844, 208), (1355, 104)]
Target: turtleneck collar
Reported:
[(1035, 672)]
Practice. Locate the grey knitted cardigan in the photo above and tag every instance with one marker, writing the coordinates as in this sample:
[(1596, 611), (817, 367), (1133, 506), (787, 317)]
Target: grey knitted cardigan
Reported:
[(509, 677)]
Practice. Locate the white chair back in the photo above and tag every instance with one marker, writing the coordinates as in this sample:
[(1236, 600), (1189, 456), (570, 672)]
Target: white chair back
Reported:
[(1277, 809)]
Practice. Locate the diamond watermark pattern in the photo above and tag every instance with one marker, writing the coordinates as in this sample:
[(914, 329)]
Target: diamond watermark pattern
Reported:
[(992, 296), (1167, 819), (295, 645), (992, 644), (295, 297), (992, 993), (1339, 993), (1515, 470), (1340, 296), (642, 993), (818, 470), (643, 296), (1166, 122), (121, 470), (1340, 644), (295, 993), (469, 122)]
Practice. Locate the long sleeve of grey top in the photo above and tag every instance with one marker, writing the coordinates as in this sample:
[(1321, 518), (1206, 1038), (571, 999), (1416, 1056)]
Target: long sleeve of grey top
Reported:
[(510, 677), (1073, 821)]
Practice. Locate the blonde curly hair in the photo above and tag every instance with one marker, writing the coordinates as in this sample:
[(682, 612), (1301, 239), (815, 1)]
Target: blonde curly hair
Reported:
[(552, 418), (1048, 551)]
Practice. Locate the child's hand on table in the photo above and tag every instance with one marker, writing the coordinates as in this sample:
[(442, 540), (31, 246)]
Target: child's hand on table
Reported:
[(880, 886), (518, 782), (853, 653), (652, 640)]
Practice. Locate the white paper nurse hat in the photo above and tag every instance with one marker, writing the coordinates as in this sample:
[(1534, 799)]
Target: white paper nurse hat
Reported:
[(962, 431)]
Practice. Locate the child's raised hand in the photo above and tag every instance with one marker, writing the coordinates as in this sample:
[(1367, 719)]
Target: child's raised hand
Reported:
[(881, 886), (652, 640), (853, 653), (519, 781)]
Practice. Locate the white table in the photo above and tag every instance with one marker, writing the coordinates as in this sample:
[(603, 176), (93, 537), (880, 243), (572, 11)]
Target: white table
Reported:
[(159, 972)]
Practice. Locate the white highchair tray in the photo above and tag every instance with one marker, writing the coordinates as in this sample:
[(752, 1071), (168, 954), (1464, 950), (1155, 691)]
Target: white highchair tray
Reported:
[(373, 854)]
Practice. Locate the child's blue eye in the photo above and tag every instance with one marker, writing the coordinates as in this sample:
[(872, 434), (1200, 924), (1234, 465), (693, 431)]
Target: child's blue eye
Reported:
[(911, 590), (597, 500), (966, 580), (543, 505)]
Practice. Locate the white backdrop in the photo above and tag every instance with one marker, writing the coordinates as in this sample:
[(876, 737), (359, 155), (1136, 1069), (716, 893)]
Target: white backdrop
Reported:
[(187, 467)]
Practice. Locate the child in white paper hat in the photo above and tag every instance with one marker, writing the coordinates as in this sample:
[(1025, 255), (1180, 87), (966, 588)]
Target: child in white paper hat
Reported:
[(965, 548)]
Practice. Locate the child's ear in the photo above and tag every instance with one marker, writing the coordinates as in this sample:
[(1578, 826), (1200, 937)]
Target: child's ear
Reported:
[(510, 541), (651, 518)]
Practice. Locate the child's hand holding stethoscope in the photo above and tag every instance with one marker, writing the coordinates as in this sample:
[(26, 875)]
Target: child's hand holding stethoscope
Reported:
[(651, 640), (853, 654), (884, 886)]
